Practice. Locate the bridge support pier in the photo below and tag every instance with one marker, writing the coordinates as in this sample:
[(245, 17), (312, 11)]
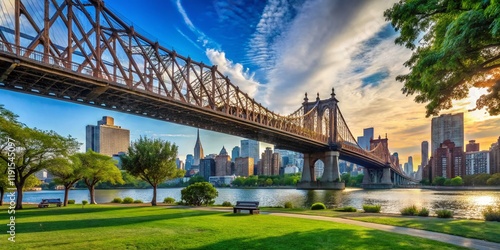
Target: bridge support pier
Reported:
[(377, 178), (331, 174)]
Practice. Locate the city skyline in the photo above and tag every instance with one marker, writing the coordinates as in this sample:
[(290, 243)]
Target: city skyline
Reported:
[(276, 68)]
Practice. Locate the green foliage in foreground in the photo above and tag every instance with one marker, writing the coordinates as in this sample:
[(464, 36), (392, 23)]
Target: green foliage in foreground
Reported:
[(413, 210), (226, 204), (139, 227), (346, 209), (127, 200), (200, 193), (371, 208), (492, 214), (117, 200), (444, 213), (169, 200), (318, 206), (288, 204)]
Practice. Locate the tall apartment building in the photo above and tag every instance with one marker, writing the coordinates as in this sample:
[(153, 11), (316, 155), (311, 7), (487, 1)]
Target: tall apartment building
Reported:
[(448, 161), (269, 163), (447, 127), (250, 148), (207, 168), (364, 141), (424, 153), (198, 150), (107, 138), (189, 161), (495, 157), (477, 162), (244, 166), (222, 163)]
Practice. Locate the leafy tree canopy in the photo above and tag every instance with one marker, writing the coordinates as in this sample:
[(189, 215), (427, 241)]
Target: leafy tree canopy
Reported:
[(456, 46)]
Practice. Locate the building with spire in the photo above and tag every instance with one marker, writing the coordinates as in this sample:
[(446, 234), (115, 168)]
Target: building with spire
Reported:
[(223, 163), (198, 150)]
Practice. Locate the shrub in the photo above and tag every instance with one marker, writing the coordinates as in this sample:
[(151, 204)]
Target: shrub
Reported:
[(424, 212), (288, 204), (127, 200), (318, 206), (200, 193), (491, 214), (444, 213), (226, 204), (117, 200), (71, 201), (84, 202), (169, 200), (138, 201), (371, 208), (346, 209), (411, 210)]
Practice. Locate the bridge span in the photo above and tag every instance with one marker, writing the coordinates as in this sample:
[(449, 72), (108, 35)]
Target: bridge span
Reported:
[(79, 51)]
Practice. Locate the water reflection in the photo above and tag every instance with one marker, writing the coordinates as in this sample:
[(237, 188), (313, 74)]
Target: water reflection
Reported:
[(468, 204)]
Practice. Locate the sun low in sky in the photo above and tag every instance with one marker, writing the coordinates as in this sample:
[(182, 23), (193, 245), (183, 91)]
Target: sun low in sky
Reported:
[(276, 51)]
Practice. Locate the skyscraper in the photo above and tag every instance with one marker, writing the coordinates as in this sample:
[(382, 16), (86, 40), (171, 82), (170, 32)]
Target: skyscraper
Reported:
[(477, 162), (107, 138), (448, 161), (495, 157), (189, 161), (364, 141), (250, 148), (447, 127), (235, 153), (244, 166), (425, 153), (198, 150), (222, 163), (410, 165)]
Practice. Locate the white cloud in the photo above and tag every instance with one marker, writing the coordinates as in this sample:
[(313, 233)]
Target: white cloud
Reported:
[(202, 38), (238, 75)]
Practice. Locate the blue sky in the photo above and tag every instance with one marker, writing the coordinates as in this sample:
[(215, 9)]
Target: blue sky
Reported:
[(275, 51)]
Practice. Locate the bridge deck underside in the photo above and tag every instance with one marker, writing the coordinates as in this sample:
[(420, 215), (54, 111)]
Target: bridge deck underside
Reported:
[(59, 83)]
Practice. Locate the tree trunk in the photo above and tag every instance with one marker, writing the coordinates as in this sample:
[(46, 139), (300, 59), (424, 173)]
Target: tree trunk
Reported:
[(92, 194), (153, 202), (19, 200), (66, 192), (2, 193)]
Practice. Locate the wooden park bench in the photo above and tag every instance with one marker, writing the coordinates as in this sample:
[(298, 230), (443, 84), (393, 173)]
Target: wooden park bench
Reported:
[(247, 205), (46, 202)]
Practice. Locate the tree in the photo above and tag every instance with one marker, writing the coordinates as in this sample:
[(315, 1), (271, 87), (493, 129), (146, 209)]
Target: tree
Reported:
[(457, 181), (196, 178), (200, 193), (494, 180), (4, 181), (67, 173), (27, 151), (439, 181), (268, 182), (481, 179), (455, 47), (97, 168), (152, 160)]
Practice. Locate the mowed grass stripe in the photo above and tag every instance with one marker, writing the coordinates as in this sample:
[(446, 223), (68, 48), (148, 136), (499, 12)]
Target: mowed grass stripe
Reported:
[(118, 227)]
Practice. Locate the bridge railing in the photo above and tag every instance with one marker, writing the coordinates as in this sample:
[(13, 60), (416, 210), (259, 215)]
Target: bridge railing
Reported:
[(257, 114)]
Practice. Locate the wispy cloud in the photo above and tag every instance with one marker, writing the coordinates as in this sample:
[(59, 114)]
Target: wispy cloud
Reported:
[(203, 39), (172, 135)]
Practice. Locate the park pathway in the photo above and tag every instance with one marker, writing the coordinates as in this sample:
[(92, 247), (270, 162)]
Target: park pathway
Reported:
[(447, 238)]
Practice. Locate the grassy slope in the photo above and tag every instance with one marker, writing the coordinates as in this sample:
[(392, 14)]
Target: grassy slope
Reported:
[(141, 227), (477, 229)]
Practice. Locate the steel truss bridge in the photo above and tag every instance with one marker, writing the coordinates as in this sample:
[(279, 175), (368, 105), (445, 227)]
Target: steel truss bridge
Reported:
[(79, 51)]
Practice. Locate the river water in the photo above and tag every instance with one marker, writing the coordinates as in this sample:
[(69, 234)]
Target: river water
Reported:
[(465, 204)]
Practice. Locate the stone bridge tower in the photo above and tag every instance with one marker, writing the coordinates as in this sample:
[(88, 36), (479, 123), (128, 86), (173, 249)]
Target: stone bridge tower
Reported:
[(322, 118)]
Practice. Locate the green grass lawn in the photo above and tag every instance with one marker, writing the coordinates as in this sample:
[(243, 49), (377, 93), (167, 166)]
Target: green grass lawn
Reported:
[(144, 227), (477, 229)]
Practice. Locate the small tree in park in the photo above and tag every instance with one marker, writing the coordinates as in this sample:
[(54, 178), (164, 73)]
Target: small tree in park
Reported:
[(67, 173), (200, 193), (97, 168), (152, 160)]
